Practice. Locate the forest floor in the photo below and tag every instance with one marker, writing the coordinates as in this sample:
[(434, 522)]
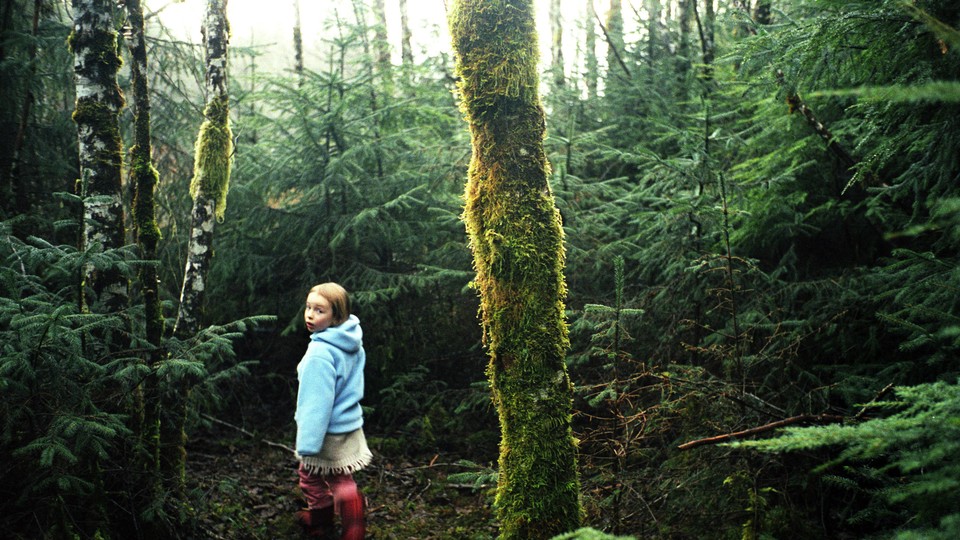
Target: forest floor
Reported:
[(245, 488), (244, 483), (248, 490)]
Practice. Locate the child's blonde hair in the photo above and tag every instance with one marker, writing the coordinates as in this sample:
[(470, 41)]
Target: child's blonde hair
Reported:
[(338, 298)]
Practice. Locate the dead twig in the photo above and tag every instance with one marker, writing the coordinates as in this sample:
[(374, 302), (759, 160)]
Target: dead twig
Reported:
[(883, 391), (822, 418), (247, 433)]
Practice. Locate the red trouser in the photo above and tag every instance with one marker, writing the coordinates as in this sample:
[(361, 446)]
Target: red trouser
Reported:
[(340, 490)]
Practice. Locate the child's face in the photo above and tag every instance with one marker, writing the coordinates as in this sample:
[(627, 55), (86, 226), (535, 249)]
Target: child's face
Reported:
[(318, 313)]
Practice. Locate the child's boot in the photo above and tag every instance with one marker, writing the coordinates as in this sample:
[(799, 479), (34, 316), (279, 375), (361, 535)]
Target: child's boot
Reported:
[(352, 518), (316, 522)]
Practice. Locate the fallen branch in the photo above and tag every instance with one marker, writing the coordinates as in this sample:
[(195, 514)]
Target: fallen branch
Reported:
[(247, 433), (823, 418)]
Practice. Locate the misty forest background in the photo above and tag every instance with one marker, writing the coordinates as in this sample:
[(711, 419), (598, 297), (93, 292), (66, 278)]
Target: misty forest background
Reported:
[(760, 206)]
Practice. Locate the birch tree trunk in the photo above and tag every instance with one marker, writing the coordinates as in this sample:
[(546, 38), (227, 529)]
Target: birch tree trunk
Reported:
[(99, 101), (211, 169), (517, 243), (211, 175)]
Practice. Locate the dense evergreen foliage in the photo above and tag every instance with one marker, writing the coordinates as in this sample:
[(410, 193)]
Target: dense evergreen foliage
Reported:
[(760, 218)]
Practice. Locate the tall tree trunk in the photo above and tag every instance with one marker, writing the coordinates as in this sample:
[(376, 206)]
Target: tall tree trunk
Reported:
[(211, 176), (517, 242), (613, 35), (706, 25), (145, 178), (556, 43), (380, 35), (211, 169), (406, 49), (99, 100), (590, 58), (374, 100), (686, 8), (10, 191), (653, 31), (297, 43), (613, 31)]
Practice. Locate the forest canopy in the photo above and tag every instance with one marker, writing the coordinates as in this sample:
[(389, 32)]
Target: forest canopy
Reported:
[(756, 276)]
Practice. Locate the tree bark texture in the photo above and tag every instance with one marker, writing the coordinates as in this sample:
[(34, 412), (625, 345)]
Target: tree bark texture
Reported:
[(145, 178), (517, 243), (211, 169), (211, 175), (99, 101)]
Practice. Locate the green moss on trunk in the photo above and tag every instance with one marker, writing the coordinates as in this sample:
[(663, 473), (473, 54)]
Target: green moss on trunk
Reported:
[(211, 168), (517, 241)]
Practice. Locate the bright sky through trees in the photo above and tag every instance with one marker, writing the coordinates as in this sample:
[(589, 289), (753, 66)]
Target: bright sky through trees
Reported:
[(269, 24)]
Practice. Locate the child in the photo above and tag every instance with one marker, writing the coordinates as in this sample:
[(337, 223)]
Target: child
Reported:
[(330, 442)]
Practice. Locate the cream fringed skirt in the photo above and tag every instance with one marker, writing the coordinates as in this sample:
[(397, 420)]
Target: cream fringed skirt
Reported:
[(342, 453)]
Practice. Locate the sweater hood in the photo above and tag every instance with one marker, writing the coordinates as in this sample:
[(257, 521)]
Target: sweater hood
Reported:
[(347, 336)]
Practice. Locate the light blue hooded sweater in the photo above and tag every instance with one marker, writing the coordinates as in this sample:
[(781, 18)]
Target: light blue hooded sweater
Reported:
[(331, 385)]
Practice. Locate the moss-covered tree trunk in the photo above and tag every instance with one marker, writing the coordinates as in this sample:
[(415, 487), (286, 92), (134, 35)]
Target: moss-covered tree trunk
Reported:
[(98, 105), (145, 178), (211, 175), (517, 242)]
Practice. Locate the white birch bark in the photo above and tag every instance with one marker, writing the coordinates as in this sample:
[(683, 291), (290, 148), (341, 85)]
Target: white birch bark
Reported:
[(211, 170), (98, 104)]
